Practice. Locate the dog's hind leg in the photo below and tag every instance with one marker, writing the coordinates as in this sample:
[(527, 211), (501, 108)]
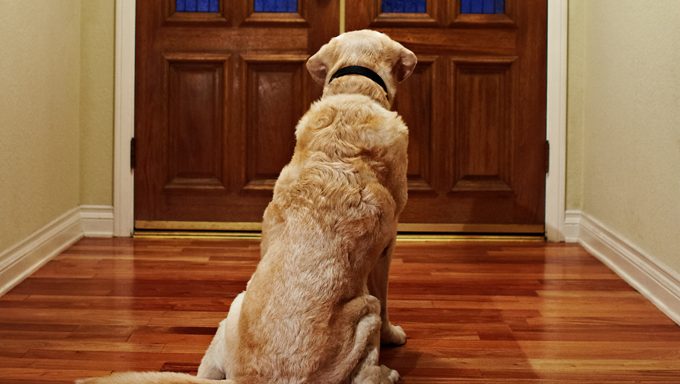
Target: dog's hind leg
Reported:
[(376, 374), (377, 286), (218, 358), (361, 317), (368, 371), (212, 363)]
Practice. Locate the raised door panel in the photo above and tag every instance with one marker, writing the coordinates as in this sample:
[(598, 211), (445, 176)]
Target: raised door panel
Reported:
[(275, 99), (482, 124), (415, 104), (196, 146)]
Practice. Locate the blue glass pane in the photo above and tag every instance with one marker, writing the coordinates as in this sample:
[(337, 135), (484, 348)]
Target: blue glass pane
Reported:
[(404, 6), (486, 7), (282, 6), (197, 5)]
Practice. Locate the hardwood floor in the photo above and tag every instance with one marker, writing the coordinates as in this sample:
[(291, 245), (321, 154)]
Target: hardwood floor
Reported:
[(475, 313)]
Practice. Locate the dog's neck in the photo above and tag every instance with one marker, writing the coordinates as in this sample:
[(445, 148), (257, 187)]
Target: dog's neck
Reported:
[(357, 84), (361, 71)]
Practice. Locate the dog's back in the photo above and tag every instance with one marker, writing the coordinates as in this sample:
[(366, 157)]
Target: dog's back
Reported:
[(332, 211)]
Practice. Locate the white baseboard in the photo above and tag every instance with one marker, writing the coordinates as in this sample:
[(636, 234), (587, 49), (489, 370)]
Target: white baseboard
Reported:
[(654, 280), (570, 229), (97, 220), (21, 260), (24, 258)]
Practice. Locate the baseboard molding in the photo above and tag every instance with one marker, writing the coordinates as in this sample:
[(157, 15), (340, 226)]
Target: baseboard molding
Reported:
[(24, 258), (97, 220), (654, 280), (571, 227)]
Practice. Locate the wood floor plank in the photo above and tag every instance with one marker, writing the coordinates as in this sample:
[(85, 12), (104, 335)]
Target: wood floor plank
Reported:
[(521, 313)]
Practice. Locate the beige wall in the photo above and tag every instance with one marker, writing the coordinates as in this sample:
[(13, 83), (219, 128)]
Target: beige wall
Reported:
[(96, 101), (575, 109), (56, 111), (624, 120), (39, 114)]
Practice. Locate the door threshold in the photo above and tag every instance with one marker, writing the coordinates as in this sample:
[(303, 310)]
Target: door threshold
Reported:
[(408, 232), (401, 237), (433, 228), (217, 235)]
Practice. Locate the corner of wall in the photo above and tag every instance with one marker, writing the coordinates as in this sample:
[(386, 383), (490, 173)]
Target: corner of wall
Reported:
[(575, 106), (28, 255), (656, 281), (97, 46), (21, 260)]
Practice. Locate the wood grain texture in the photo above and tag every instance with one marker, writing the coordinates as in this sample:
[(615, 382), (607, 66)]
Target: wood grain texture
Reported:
[(214, 125), (218, 96), (475, 109), (474, 313)]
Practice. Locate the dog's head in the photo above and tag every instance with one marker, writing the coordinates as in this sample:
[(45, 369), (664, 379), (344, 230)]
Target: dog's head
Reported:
[(374, 50)]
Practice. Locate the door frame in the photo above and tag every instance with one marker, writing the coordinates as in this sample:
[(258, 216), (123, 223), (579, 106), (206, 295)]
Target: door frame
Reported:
[(556, 117), (124, 119)]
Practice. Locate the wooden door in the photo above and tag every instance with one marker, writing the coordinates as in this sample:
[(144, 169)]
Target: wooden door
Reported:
[(475, 108), (219, 92), (220, 85)]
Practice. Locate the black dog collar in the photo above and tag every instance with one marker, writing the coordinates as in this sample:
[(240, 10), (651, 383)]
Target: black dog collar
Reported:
[(359, 70)]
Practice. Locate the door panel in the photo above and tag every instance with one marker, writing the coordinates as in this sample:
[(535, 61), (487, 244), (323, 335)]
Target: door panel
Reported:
[(481, 109), (219, 89), (415, 103), (275, 98), (196, 93), (221, 85), (475, 109)]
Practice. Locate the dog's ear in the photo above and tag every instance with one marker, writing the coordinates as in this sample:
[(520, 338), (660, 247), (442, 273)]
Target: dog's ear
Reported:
[(317, 66), (405, 64)]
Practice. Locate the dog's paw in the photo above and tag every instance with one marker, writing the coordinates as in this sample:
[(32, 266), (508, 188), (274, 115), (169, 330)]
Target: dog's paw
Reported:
[(392, 335), (389, 375)]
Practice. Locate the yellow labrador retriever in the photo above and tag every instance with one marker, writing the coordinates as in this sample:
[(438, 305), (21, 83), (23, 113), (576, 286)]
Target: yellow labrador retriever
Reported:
[(315, 309)]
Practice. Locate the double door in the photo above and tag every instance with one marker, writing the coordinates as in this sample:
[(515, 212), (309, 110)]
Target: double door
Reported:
[(222, 83)]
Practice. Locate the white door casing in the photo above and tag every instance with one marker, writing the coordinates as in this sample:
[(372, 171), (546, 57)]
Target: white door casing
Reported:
[(123, 188)]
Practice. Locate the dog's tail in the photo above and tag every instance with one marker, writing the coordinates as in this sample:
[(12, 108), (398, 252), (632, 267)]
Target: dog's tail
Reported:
[(151, 378)]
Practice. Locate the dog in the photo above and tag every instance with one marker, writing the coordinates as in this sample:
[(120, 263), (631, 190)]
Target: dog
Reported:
[(315, 310)]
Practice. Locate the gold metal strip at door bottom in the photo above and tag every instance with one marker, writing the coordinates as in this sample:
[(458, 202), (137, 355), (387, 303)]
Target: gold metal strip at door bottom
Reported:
[(408, 232), (197, 225)]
